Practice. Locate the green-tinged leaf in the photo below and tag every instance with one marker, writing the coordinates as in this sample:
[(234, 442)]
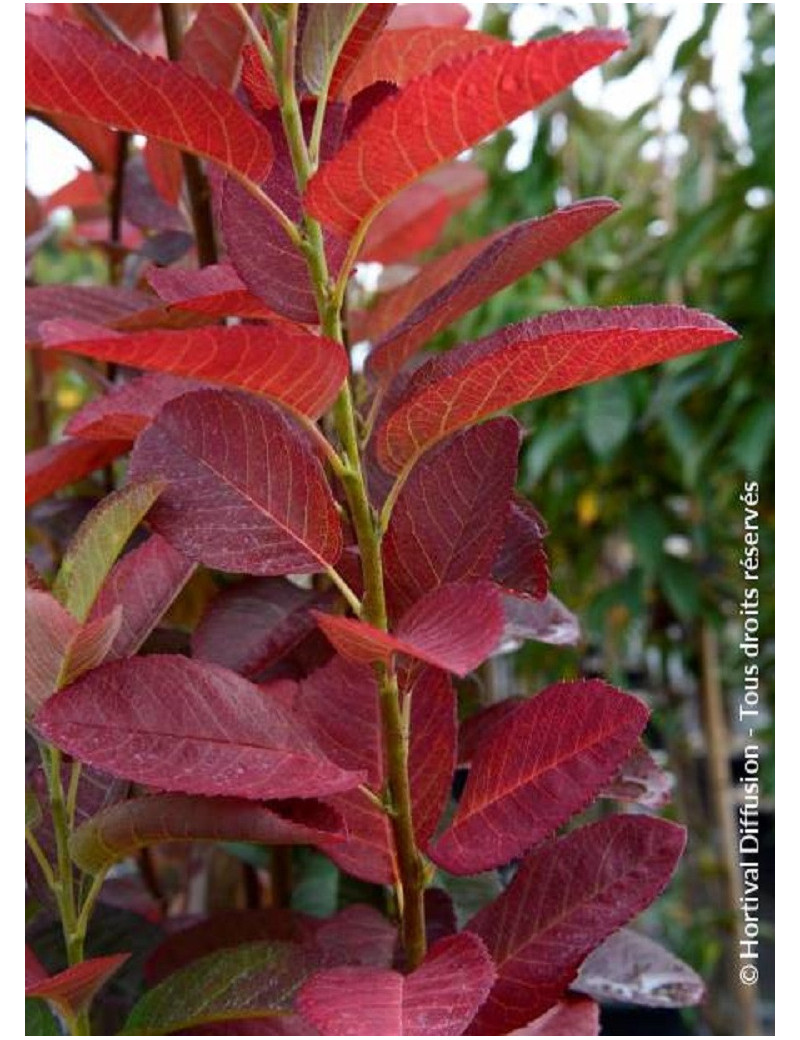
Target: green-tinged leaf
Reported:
[(123, 829), (57, 648), (316, 891), (324, 35), (39, 1019), (255, 980), (97, 544), (606, 416), (470, 893)]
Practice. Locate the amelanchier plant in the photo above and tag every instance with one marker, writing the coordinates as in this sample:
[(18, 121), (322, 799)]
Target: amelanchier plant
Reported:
[(319, 710)]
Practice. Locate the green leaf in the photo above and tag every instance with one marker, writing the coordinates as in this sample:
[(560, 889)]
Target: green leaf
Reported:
[(316, 892), (606, 416), (97, 544), (550, 439), (648, 526), (681, 586), (39, 1019), (750, 447), (254, 980)]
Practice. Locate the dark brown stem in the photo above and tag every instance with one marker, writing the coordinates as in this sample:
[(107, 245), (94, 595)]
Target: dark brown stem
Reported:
[(40, 429), (107, 25), (252, 886), (281, 876), (196, 180)]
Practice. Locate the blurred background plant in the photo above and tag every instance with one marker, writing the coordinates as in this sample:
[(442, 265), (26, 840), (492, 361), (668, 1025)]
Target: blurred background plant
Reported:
[(639, 477)]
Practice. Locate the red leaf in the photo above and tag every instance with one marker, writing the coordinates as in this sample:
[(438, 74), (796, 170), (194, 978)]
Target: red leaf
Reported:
[(535, 771), (57, 465), (267, 262), (339, 705), (438, 999), (476, 729), (224, 930), (58, 648), (572, 1016), (123, 829), (49, 630), (358, 935), (458, 282), (447, 524), (411, 16), (410, 223), (214, 734), (73, 989), (544, 621), (250, 626), (301, 370), (360, 39), (521, 565), (258, 88), (533, 359), (454, 627), (245, 492), (72, 71), (640, 779), (432, 750), (438, 116), (213, 44), (100, 304), (165, 168), (635, 970), (127, 408), (400, 55), (87, 190), (216, 291), (566, 898), (143, 584), (368, 852), (414, 219)]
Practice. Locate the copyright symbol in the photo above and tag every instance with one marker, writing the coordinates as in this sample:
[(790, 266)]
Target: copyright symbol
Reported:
[(748, 973)]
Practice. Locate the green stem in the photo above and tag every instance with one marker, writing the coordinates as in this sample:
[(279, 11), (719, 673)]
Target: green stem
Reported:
[(330, 300), (41, 858)]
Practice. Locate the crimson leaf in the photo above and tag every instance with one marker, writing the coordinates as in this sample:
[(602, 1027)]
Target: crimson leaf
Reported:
[(252, 625), (287, 363), (532, 773), (438, 116), (566, 898), (50, 468), (214, 734), (76, 72), (438, 999), (246, 493), (533, 359), (459, 281), (454, 627), (448, 521), (123, 829), (142, 584)]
